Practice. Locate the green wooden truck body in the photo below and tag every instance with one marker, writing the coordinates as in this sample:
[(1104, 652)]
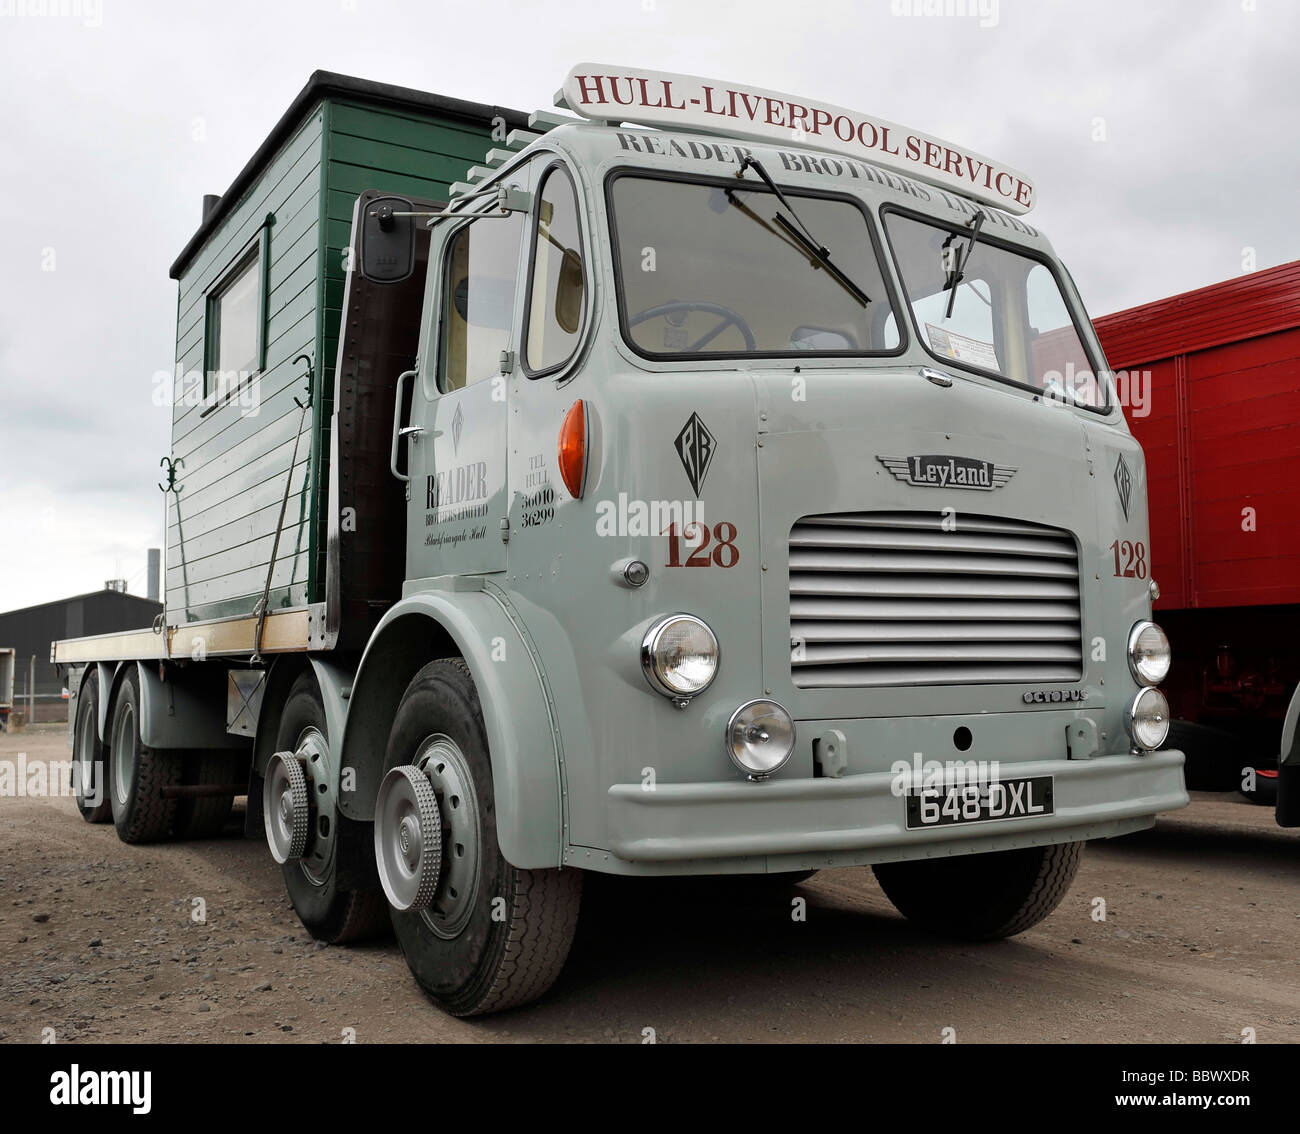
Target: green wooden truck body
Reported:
[(290, 213)]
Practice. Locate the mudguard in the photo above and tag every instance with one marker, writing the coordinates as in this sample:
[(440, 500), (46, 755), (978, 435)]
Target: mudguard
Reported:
[(106, 672), (1289, 753), (188, 710), (1288, 768), (335, 683), (473, 620)]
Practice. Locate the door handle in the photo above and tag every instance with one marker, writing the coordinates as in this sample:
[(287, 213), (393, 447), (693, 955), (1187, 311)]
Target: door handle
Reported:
[(400, 431)]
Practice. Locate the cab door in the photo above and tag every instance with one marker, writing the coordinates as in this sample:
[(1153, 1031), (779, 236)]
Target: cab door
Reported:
[(456, 442)]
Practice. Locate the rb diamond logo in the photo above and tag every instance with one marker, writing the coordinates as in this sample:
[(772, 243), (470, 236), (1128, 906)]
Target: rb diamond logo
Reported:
[(457, 420), (696, 446), (1123, 483)]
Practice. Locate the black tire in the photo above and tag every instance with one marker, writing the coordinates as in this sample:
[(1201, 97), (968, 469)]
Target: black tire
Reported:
[(1264, 793), (90, 768), (329, 913), (491, 963), (1288, 795), (138, 775), (206, 816), (981, 897), (1213, 758)]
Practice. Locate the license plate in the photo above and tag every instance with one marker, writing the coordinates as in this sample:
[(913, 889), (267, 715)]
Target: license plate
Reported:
[(953, 804)]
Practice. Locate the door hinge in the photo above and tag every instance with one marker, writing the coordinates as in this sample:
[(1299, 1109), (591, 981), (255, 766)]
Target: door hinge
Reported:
[(507, 361), (505, 529)]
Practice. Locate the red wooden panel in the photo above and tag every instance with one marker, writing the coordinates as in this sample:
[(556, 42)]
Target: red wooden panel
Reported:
[(1280, 348), (1157, 433), (1223, 437), (1251, 305)]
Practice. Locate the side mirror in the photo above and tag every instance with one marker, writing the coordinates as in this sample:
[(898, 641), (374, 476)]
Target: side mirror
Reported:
[(568, 293), (386, 249)]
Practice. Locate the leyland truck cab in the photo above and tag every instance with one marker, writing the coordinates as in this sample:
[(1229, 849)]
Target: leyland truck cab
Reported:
[(720, 483)]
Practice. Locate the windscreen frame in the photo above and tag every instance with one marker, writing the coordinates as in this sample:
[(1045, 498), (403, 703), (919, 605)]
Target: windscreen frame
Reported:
[(1069, 296), (883, 267)]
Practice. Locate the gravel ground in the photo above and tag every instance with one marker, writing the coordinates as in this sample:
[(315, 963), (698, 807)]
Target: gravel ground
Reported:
[(101, 943)]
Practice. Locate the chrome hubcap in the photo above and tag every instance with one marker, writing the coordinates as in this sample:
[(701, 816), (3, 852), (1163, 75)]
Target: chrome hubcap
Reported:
[(123, 749), (446, 768), (286, 808), (408, 838)]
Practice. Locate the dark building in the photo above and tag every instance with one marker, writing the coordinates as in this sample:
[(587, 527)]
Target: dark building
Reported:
[(31, 630)]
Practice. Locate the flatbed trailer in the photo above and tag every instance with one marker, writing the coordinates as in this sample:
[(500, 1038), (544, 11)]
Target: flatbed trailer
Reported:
[(545, 497)]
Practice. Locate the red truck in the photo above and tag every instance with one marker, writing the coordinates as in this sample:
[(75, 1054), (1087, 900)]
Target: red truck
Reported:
[(1212, 378)]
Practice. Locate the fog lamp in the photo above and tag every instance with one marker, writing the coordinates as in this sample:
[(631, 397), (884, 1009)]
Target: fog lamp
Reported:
[(760, 738)]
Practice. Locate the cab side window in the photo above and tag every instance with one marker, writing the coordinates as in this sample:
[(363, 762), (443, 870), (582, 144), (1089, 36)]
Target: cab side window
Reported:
[(557, 291), (478, 300)]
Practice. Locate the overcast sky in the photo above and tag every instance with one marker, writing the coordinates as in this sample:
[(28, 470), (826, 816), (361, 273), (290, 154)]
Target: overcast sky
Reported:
[(1162, 137)]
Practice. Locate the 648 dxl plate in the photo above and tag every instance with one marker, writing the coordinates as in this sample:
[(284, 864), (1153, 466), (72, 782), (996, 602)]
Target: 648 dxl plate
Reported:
[(949, 805)]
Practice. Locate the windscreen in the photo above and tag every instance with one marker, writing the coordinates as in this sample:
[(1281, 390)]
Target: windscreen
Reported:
[(709, 269), (993, 309)]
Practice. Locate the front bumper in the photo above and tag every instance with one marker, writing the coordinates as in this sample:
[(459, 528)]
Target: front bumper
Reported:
[(787, 824)]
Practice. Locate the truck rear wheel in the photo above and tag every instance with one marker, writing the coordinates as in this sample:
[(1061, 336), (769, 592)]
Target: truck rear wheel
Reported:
[(91, 769), (205, 816), (138, 774), (328, 912), (479, 934), (981, 897)]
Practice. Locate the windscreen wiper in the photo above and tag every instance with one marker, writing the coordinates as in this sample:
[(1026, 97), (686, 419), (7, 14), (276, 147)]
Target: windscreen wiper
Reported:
[(958, 269), (802, 234)]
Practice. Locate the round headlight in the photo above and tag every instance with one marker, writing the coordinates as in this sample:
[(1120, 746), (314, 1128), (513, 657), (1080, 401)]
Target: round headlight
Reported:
[(760, 738), (1148, 653), (679, 655), (1148, 719)]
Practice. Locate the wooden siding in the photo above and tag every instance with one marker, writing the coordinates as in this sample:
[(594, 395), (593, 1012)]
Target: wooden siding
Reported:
[(237, 455), (1220, 437), (370, 147)]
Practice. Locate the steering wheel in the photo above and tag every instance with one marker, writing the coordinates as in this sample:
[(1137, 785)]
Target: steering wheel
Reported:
[(729, 318)]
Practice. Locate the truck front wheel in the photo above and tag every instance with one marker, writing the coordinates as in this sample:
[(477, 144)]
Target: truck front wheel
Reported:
[(981, 897), (329, 912), (479, 934)]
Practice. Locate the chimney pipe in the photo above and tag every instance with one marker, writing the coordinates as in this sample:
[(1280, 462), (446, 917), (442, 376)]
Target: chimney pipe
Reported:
[(152, 572), (210, 202)]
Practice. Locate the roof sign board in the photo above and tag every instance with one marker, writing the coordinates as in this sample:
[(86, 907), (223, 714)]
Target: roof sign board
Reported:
[(686, 102)]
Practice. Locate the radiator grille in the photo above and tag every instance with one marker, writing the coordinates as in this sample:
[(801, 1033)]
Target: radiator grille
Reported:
[(891, 598)]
